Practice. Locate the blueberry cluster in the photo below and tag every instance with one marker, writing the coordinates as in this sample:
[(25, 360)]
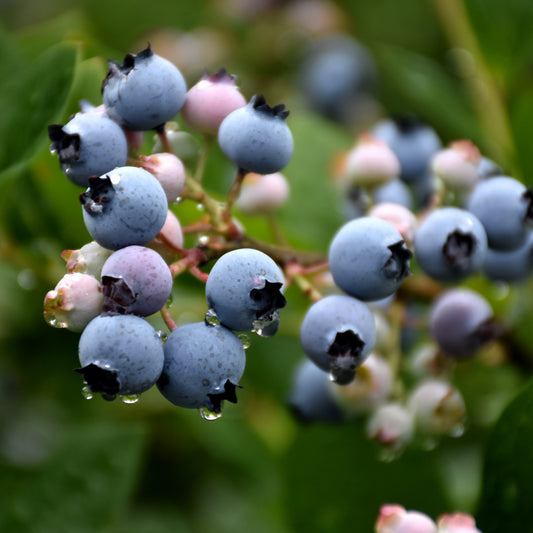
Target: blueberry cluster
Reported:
[(125, 275), (426, 224)]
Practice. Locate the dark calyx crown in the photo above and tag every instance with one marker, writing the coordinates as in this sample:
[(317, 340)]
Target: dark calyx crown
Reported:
[(397, 266), (100, 192), (259, 103), (458, 249), (66, 145), (267, 300), (345, 352)]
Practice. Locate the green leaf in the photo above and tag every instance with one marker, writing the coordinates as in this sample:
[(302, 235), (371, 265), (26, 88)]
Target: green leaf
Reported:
[(418, 84), (33, 101), (507, 490), (82, 488)]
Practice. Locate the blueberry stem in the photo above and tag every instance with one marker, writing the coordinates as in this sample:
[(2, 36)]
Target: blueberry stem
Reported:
[(202, 158), (233, 194), (165, 314)]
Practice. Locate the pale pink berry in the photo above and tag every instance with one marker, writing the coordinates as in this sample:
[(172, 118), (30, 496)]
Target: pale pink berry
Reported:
[(391, 425), (74, 302), (371, 387), (395, 519), (262, 193), (169, 171), (438, 407), (399, 216), (169, 240), (457, 165), (89, 259), (371, 162), (210, 101), (457, 523)]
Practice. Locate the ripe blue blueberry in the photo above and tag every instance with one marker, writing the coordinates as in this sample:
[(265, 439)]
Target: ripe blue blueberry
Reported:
[(89, 144), (144, 92), (203, 366), (123, 207), (504, 207), (414, 143), (245, 291), (450, 244), (120, 354), (368, 258), (338, 333), (395, 191), (311, 399), (510, 266), (135, 280), (256, 138), (461, 321)]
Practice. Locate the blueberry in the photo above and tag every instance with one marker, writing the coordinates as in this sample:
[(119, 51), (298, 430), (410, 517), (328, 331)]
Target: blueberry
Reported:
[(450, 244), (120, 354), (338, 333), (395, 192), (203, 366), (124, 207), (144, 92), (413, 141), (510, 266), (461, 321), (311, 399), (245, 290), (503, 205), (89, 144), (256, 138), (368, 258), (135, 280)]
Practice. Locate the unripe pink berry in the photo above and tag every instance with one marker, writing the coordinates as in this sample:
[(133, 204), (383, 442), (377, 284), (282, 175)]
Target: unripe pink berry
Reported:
[(371, 162), (169, 171), (391, 425), (457, 523), (89, 259), (262, 193), (74, 302), (169, 239), (395, 519), (438, 407), (210, 101), (399, 216), (457, 165), (371, 387)]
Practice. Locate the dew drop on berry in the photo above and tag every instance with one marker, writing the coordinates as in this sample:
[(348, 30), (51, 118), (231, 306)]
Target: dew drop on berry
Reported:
[(211, 318), (266, 328), (206, 414), (203, 239), (245, 339), (130, 398), (87, 393)]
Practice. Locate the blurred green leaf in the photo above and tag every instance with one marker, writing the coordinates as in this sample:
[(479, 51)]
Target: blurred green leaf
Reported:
[(417, 84), (32, 101), (507, 490), (521, 115), (83, 488)]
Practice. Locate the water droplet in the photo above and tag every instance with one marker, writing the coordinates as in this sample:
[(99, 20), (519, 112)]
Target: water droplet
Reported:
[(53, 321), (429, 443), (245, 339), (162, 335), (206, 414), (200, 207), (87, 393), (203, 239), (53, 151), (67, 170), (130, 398), (211, 318), (266, 328), (26, 279), (178, 200), (501, 290)]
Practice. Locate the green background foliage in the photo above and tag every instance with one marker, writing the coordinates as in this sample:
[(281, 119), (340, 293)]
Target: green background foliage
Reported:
[(68, 465)]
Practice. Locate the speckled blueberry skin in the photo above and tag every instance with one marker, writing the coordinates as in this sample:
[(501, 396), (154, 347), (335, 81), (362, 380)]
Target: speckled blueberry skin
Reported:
[(504, 207), (89, 144), (334, 327), (136, 280), (256, 138), (244, 286), (144, 92), (124, 207), (203, 365), (450, 244), (368, 258), (460, 322), (125, 345)]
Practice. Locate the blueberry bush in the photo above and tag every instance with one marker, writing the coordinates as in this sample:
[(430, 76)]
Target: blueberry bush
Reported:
[(286, 251)]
